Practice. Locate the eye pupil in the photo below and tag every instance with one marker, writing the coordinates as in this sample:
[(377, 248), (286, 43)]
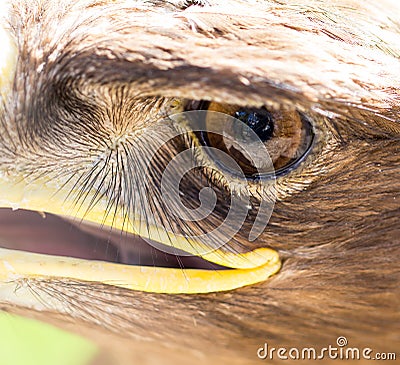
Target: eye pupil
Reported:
[(260, 121)]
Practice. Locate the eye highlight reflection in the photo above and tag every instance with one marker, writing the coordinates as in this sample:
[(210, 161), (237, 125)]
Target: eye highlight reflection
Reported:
[(287, 135)]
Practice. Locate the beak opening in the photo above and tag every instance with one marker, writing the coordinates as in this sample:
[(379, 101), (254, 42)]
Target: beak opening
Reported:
[(42, 195)]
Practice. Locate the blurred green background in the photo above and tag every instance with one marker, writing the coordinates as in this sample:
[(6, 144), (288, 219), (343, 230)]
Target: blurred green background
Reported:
[(29, 342)]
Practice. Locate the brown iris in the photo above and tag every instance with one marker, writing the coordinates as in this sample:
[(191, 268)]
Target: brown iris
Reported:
[(286, 135)]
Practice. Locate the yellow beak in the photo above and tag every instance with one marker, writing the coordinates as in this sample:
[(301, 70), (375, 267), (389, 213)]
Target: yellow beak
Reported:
[(45, 196)]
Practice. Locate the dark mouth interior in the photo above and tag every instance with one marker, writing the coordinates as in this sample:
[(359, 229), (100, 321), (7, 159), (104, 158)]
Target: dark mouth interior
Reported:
[(49, 234)]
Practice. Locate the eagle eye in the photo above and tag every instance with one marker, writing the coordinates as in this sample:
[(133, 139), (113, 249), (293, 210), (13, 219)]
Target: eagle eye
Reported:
[(287, 136)]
